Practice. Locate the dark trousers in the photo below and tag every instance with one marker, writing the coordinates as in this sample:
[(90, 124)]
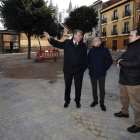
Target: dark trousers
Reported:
[(78, 78), (101, 81)]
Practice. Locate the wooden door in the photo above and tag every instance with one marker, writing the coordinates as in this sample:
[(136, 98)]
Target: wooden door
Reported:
[(114, 45)]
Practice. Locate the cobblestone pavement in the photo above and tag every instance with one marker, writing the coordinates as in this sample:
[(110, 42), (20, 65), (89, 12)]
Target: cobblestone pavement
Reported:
[(32, 109)]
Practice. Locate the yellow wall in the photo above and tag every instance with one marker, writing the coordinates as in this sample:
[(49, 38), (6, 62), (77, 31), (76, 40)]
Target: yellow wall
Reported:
[(120, 23), (137, 14), (43, 41), (120, 42)]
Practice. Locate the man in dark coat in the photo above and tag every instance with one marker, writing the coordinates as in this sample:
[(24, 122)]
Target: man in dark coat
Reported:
[(75, 63), (129, 63), (99, 60)]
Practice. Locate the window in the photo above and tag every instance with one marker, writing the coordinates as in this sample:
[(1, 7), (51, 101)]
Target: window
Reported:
[(104, 17), (96, 34), (104, 31), (115, 28), (104, 43), (126, 41), (127, 10), (126, 26), (10, 41), (115, 14)]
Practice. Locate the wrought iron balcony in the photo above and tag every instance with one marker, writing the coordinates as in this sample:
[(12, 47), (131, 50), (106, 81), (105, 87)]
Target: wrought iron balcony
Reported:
[(126, 13), (104, 34), (104, 21), (125, 31), (138, 6), (114, 18), (114, 32), (138, 25)]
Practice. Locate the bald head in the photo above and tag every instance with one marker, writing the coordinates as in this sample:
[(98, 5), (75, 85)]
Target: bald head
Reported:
[(97, 41)]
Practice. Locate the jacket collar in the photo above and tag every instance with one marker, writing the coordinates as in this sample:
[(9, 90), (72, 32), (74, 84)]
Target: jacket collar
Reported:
[(134, 43), (98, 48), (71, 41)]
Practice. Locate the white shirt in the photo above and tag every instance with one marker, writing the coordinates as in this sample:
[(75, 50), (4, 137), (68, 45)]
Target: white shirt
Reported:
[(76, 42)]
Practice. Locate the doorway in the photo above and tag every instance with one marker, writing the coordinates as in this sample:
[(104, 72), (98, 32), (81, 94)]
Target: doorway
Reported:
[(114, 45)]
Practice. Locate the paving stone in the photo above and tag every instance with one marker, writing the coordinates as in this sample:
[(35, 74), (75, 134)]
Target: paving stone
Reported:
[(91, 137), (100, 138), (32, 109), (1, 135), (103, 134), (125, 138), (109, 135), (26, 136)]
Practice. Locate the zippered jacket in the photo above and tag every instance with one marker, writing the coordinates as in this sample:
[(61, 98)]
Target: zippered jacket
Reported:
[(130, 65), (99, 61)]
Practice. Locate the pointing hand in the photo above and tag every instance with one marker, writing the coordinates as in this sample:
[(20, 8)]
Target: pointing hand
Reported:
[(46, 35)]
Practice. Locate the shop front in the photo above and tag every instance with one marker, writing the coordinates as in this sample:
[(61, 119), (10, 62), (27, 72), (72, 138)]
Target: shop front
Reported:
[(9, 41)]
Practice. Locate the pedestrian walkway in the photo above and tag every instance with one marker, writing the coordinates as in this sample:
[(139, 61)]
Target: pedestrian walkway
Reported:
[(32, 109)]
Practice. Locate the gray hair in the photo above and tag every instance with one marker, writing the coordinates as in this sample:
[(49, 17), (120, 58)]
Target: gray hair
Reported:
[(77, 30), (98, 38)]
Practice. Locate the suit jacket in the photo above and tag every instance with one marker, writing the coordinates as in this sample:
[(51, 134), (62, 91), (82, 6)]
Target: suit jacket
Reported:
[(75, 59)]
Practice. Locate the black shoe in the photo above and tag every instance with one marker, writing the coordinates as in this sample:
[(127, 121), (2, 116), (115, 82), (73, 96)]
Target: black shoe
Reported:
[(66, 104), (93, 104), (134, 129), (103, 108), (120, 114), (78, 105)]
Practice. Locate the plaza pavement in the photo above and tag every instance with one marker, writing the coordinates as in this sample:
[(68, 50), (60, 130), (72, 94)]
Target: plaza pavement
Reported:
[(32, 109)]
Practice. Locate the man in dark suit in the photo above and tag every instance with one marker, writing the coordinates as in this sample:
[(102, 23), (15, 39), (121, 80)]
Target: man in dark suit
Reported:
[(100, 60), (75, 63)]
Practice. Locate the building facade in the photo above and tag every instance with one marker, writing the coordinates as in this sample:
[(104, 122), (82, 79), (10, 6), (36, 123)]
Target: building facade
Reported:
[(45, 45), (9, 41), (117, 23), (88, 38), (137, 13)]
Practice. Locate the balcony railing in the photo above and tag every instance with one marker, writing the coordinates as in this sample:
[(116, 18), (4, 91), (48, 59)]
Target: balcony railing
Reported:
[(138, 6), (114, 18), (104, 21), (126, 13), (114, 32), (138, 25), (125, 31), (104, 34)]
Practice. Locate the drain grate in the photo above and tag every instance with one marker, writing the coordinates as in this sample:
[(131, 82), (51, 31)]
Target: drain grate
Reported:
[(36, 77), (111, 97)]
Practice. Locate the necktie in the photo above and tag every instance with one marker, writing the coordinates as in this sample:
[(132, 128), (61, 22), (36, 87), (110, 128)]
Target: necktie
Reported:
[(75, 44)]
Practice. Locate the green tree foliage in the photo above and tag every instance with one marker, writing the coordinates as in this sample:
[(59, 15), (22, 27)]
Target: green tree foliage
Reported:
[(83, 18), (31, 17)]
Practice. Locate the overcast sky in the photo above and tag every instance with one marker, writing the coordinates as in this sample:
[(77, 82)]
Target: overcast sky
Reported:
[(63, 4)]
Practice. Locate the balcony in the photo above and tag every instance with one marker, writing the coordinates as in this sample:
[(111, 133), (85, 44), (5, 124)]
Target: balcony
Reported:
[(114, 18), (114, 32), (126, 14), (104, 34), (104, 21), (125, 31), (138, 6), (138, 25)]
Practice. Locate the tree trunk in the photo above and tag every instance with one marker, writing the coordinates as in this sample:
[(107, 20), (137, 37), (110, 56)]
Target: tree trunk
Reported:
[(29, 47)]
